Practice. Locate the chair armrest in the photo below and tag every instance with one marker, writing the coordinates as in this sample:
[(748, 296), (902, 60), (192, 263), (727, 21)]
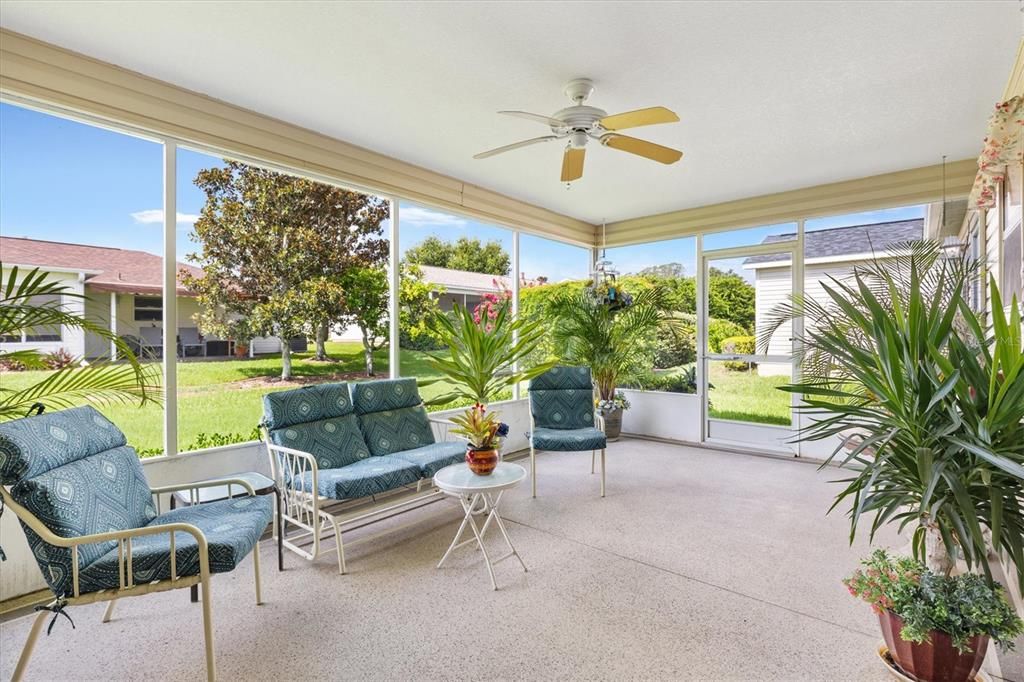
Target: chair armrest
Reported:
[(445, 425), (210, 483), (288, 465), (599, 420)]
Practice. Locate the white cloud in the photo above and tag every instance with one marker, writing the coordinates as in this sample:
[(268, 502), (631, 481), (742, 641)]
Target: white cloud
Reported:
[(156, 216), (425, 217)]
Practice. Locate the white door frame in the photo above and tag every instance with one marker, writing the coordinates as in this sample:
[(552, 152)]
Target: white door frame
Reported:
[(795, 249)]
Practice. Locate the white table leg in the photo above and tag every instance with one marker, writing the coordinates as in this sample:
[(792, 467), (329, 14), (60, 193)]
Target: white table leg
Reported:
[(481, 503)]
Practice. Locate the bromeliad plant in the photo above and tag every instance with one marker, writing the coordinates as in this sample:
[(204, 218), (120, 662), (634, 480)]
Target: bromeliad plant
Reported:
[(481, 429), (29, 301), (928, 401), (485, 346)]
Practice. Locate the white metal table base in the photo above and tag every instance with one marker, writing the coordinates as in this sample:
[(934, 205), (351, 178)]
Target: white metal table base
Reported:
[(475, 505)]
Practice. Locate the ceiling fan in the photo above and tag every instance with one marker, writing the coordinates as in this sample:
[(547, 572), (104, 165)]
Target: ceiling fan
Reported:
[(580, 123)]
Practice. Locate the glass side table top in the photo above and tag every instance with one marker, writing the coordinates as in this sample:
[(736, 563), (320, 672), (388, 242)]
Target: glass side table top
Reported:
[(457, 478)]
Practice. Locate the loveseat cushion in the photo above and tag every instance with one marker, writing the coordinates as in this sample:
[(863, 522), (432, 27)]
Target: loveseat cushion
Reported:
[(385, 394), (393, 431), (570, 408), (366, 477), (434, 457), (306, 404), (103, 492), (334, 442), (232, 528), (568, 440), (33, 445)]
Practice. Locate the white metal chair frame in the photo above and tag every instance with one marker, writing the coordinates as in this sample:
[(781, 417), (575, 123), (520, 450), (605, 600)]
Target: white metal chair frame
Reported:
[(128, 587), (598, 419), (316, 515)]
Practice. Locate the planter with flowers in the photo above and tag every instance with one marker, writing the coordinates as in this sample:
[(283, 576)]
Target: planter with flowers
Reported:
[(611, 410), (484, 346), (929, 401)]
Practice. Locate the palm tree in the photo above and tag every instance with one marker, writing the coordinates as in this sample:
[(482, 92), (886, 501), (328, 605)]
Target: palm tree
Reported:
[(927, 402), (612, 342), (32, 302)]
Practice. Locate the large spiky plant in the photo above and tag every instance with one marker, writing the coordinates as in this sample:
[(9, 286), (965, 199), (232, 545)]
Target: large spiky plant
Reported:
[(30, 301), (926, 399), (612, 342)]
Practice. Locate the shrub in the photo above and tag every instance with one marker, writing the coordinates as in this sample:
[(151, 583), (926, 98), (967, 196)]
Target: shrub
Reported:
[(11, 365), (58, 359), (670, 383), (739, 345), (719, 330), (673, 348)]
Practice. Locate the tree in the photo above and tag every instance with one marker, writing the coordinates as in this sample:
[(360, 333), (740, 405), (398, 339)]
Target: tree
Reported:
[(730, 297), (367, 299), (465, 254), (275, 249)]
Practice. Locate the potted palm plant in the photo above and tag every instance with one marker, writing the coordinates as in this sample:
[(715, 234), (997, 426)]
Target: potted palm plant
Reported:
[(613, 340), (485, 347), (29, 300), (928, 403)]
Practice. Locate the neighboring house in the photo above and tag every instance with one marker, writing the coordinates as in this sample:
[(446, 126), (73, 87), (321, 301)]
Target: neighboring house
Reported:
[(831, 253), (123, 291)]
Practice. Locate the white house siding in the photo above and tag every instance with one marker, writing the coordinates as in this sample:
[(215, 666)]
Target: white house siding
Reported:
[(73, 340)]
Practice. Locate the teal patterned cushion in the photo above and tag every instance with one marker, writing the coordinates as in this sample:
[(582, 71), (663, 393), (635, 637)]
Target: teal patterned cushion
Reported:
[(306, 404), (392, 431), (103, 492), (366, 477), (385, 394), (571, 408), (432, 458), (232, 528), (334, 442), (33, 445), (568, 440), (561, 377)]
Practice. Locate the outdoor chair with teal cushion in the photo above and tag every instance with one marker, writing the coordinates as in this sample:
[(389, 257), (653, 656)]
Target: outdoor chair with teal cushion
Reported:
[(563, 417), (334, 443), (95, 525)]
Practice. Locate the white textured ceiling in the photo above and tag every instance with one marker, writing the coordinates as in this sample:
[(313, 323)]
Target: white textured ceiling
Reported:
[(772, 96)]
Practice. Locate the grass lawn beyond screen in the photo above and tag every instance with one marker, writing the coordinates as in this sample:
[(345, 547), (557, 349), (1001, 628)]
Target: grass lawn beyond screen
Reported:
[(225, 396)]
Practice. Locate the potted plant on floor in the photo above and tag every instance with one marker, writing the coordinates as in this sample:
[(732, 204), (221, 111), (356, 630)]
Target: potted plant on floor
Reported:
[(613, 340), (485, 346), (929, 405)]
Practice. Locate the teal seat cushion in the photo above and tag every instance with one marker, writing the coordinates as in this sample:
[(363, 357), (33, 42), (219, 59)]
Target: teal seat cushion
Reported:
[(33, 445), (366, 477), (104, 492), (432, 458), (569, 408), (568, 440), (562, 377), (393, 431), (385, 394), (306, 404), (231, 527), (334, 442)]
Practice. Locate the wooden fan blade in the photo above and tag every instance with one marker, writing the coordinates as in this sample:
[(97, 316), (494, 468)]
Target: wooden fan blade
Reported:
[(572, 164), (514, 145), (546, 120), (643, 148), (640, 117)]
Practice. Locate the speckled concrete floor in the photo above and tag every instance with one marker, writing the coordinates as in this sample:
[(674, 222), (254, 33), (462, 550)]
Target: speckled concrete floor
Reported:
[(697, 565)]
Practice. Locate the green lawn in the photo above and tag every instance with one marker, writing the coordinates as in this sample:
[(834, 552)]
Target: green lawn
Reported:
[(745, 396), (225, 397)]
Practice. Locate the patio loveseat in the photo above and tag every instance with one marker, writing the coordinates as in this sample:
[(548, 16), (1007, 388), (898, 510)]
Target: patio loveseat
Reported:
[(333, 443), (94, 524)]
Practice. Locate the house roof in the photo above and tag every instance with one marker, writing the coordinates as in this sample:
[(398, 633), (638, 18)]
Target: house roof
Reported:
[(105, 268), (462, 280), (851, 240)]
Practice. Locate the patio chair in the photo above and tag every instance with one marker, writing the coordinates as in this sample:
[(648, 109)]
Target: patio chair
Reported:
[(152, 342), (95, 526), (189, 339), (563, 417)]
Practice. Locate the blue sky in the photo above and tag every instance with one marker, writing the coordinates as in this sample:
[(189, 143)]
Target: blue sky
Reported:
[(66, 181)]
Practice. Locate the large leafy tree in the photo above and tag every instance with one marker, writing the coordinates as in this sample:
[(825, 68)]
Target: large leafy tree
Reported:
[(465, 253), (275, 249)]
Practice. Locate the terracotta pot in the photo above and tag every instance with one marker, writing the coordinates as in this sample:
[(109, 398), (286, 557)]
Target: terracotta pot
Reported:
[(935, 660), (612, 423), (482, 462)]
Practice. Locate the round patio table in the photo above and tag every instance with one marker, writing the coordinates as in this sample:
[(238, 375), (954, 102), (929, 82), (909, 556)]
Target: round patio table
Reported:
[(480, 495)]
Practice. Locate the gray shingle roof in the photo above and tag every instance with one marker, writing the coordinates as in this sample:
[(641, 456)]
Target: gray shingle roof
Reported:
[(846, 241)]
